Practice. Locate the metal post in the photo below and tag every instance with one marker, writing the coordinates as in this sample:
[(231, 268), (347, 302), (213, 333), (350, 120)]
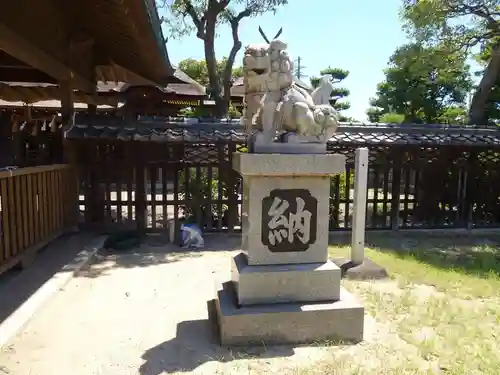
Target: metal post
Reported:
[(359, 214)]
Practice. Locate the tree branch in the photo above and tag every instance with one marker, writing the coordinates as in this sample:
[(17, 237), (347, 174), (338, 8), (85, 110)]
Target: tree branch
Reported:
[(223, 4), (217, 6), (473, 40), (480, 11), (199, 23), (244, 13), (234, 22)]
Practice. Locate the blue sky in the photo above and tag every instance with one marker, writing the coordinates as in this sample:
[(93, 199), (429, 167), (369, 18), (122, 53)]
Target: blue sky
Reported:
[(357, 35)]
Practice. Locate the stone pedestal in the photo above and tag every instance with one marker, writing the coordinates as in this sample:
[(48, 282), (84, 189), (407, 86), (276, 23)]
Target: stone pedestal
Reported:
[(283, 288)]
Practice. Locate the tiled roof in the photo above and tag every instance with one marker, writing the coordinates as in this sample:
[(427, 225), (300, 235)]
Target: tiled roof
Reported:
[(31, 92), (354, 134)]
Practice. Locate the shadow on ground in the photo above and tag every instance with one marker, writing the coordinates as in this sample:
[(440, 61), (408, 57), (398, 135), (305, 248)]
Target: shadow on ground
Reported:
[(155, 250), (477, 253), (16, 286), (195, 344)]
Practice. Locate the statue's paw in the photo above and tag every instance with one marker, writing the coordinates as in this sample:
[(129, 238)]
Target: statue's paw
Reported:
[(290, 137), (258, 137)]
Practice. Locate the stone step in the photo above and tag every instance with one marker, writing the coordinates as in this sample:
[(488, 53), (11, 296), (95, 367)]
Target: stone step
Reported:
[(287, 323), (284, 283)]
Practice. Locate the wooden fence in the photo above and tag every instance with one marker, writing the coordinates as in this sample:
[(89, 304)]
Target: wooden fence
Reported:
[(148, 184), (37, 204)]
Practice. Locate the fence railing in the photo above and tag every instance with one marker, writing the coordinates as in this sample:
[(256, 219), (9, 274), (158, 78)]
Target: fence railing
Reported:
[(37, 204), (147, 184)]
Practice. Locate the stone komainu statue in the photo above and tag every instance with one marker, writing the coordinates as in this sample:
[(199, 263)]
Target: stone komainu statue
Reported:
[(255, 69), (274, 103)]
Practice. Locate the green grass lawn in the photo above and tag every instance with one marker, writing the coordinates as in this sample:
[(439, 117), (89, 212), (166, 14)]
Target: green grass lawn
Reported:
[(443, 300)]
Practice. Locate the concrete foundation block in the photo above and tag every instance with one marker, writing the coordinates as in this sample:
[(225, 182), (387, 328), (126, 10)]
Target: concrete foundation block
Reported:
[(367, 270), (284, 283), (294, 323)]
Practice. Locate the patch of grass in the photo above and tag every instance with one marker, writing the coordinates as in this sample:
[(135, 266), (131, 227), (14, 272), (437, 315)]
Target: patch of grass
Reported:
[(458, 336), (444, 300), (420, 267)]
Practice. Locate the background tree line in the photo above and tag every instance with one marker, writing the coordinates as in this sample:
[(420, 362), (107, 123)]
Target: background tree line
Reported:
[(427, 80)]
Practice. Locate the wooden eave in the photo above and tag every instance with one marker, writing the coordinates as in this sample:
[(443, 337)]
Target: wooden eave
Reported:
[(52, 40), (127, 34)]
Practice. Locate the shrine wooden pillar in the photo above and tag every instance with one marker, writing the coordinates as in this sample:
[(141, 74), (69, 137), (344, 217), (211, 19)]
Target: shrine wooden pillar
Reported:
[(67, 116), (16, 139), (81, 59)]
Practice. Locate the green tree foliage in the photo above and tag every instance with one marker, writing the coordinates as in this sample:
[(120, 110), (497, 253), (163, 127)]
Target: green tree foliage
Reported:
[(453, 115), (392, 118), (198, 111), (421, 84), (203, 17), (337, 75), (197, 70), (201, 111), (461, 25)]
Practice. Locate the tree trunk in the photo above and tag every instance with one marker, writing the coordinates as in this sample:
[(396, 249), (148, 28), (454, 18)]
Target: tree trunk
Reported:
[(226, 80), (228, 69), (211, 60), (221, 106), (225, 101), (477, 110)]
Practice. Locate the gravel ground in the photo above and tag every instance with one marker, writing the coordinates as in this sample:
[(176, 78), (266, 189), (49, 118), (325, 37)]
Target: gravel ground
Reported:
[(144, 312)]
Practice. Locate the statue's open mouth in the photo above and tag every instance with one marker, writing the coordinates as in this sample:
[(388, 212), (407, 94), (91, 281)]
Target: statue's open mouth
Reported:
[(259, 71)]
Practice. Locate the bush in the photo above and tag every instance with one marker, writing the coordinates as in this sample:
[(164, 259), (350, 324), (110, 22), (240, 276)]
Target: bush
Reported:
[(200, 192), (392, 118), (342, 191), (199, 112), (233, 112)]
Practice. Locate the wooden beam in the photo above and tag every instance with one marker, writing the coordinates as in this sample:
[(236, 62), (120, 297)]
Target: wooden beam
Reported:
[(80, 57), (121, 74), (22, 49), (10, 94), (14, 74)]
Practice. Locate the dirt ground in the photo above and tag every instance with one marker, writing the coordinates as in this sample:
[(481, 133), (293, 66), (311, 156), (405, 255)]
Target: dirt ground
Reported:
[(144, 312)]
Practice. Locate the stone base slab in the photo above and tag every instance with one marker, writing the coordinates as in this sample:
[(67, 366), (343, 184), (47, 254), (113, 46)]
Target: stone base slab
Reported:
[(278, 164), (257, 143), (295, 323), (289, 148), (368, 270), (285, 283)]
